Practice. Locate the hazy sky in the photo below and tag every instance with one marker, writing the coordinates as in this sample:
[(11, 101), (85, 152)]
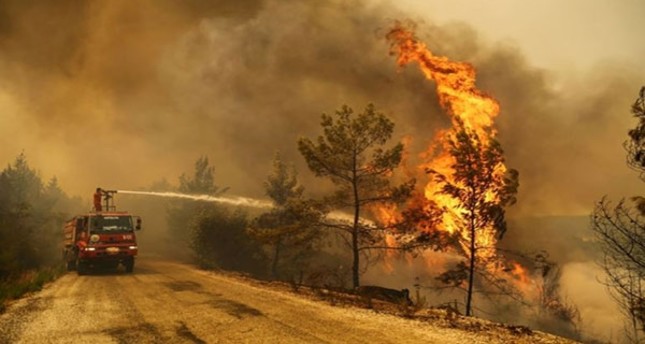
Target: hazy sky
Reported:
[(120, 94), (552, 33)]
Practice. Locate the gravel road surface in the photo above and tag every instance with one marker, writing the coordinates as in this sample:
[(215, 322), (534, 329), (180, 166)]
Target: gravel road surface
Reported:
[(166, 302)]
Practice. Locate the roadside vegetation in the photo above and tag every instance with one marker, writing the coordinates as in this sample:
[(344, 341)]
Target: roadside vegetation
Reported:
[(31, 216), (303, 243), (300, 241), (27, 282)]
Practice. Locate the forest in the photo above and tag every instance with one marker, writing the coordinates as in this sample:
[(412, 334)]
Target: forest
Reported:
[(300, 240)]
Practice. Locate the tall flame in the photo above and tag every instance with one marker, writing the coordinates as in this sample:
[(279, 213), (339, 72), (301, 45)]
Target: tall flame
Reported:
[(466, 105), (455, 82), (469, 108)]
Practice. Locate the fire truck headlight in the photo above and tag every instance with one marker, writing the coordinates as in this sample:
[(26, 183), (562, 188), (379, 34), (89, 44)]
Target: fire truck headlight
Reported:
[(133, 247), (90, 249)]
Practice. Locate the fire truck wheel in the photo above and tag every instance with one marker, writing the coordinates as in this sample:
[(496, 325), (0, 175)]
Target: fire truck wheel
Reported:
[(81, 268), (129, 266)]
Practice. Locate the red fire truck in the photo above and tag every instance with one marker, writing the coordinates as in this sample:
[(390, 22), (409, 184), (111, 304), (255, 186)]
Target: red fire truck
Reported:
[(103, 238)]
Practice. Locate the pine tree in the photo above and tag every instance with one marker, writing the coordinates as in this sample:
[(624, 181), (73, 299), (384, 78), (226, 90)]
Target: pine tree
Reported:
[(351, 154), (290, 228), (482, 188)]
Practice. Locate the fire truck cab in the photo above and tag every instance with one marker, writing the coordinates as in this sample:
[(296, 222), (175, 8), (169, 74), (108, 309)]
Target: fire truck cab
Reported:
[(101, 239)]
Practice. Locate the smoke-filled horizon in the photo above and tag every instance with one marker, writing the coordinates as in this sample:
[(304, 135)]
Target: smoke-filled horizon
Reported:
[(127, 94)]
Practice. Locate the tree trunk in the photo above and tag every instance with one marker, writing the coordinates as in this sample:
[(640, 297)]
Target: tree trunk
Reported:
[(471, 268), (357, 209), (355, 264), (276, 258)]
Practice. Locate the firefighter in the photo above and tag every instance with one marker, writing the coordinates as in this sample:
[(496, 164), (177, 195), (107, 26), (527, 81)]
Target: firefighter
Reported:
[(97, 199)]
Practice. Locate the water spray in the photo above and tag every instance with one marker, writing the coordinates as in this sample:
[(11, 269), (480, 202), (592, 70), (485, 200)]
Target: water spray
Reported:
[(237, 201)]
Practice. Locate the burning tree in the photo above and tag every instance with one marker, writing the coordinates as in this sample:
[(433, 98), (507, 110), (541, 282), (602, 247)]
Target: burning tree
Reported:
[(290, 228), (350, 153), (481, 188), (621, 233), (470, 184)]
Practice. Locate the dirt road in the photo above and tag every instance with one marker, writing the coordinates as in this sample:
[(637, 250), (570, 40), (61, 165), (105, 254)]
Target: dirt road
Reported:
[(165, 302)]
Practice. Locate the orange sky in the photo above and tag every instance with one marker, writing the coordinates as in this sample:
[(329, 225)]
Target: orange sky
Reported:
[(121, 94)]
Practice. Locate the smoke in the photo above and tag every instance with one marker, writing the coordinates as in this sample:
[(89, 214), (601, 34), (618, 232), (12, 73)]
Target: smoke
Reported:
[(123, 93), (83, 80), (601, 316)]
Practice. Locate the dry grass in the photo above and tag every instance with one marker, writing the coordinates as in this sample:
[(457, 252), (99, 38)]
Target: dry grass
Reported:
[(29, 281)]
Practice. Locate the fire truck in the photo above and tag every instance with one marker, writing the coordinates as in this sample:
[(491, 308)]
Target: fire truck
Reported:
[(103, 238)]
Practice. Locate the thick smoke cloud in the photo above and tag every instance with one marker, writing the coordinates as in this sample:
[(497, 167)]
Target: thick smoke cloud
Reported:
[(120, 94)]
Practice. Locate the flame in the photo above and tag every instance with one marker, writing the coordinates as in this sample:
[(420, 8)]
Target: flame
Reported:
[(455, 81), (519, 272), (388, 215), (465, 104), (467, 107)]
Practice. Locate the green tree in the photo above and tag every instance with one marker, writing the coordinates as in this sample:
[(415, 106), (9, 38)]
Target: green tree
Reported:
[(22, 188), (56, 207), (181, 212), (31, 217), (282, 184), (636, 144), (481, 192), (350, 153), (23, 184), (202, 181), (219, 240), (290, 228)]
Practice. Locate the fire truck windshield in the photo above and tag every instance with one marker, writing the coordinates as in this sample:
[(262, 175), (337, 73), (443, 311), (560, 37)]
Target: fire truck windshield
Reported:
[(111, 224)]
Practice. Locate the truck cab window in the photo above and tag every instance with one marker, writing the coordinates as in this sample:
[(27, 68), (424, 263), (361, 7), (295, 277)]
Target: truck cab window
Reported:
[(111, 224)]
